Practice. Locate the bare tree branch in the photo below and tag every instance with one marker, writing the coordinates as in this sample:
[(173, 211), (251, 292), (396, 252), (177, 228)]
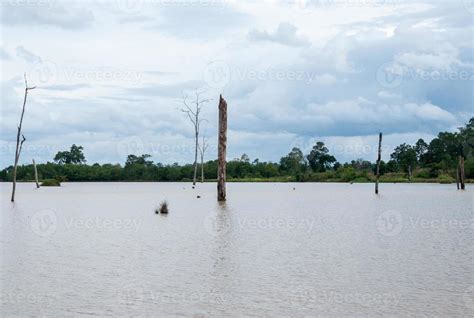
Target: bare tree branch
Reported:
[(202, 151), (193, 112), (19, 144)]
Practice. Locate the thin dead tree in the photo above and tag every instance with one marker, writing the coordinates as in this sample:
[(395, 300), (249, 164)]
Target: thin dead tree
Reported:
[(194, 111), (19, 143), (202, 150), (461, 172), (457, 176), (36, 174), (379, 158), (222, 150)]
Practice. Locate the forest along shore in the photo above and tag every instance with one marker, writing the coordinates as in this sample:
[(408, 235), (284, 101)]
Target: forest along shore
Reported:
[(433, 162)]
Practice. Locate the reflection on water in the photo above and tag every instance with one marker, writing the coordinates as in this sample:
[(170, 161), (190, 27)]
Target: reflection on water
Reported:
[(321, 249)]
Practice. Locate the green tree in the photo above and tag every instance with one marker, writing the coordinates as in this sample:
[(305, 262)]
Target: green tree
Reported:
[(244, 158), (140, 160), (73, 156), (421, 147), (467, 139), (319, 158), (444, 150), (361, 164), (404, 156), (294, 162)]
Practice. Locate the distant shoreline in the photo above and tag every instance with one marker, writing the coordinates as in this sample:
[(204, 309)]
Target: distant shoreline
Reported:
[(427, 181)]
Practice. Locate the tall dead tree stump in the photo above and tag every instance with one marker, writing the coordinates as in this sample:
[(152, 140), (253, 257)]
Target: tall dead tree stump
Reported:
[(222, 150), (461, 174), (379, 158), (19, 144), (36, 174)]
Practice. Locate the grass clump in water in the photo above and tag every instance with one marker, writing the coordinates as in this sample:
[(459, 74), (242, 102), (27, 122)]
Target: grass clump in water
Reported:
[(163, 208), (51, 183)]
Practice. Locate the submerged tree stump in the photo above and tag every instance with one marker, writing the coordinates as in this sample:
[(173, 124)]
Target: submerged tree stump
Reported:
[(457, 176), (36, 174), (379, 158), (462, 180), (222, 150)]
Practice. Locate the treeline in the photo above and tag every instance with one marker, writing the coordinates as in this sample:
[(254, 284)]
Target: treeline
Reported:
[(434, 161)]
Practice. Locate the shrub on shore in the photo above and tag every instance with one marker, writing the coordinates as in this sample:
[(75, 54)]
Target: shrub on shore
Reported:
[(445, 179)]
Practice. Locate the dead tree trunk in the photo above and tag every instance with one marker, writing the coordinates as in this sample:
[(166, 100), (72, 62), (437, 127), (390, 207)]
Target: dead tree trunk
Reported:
[(458, 172), (409, 173), (222, 149), (36, 174), (379, 158), (202, 169), (202, 151), (461, 173), (196, 139), (193, 115), (19, 144)]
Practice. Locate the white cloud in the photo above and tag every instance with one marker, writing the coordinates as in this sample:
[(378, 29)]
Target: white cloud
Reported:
[(26, 55), (4, 55), (109, 74), (45, 13), (285, 34)]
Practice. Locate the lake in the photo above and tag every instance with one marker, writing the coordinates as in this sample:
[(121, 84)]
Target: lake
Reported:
[(274, 249)]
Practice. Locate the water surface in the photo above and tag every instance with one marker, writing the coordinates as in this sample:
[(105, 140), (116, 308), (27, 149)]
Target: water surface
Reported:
[(271, 250)]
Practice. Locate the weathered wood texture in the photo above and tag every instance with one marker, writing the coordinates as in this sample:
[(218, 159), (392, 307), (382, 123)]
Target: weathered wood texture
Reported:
[(379, 158), (202, 151), (193, 112), (36, 174), (462, 176), (457, 176), (222, 150), (19, 144)]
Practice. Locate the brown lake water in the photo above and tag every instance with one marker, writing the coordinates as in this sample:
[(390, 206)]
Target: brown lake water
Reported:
[(271, 250)]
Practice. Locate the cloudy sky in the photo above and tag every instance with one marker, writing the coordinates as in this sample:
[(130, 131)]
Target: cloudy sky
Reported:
[(110, 75)]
